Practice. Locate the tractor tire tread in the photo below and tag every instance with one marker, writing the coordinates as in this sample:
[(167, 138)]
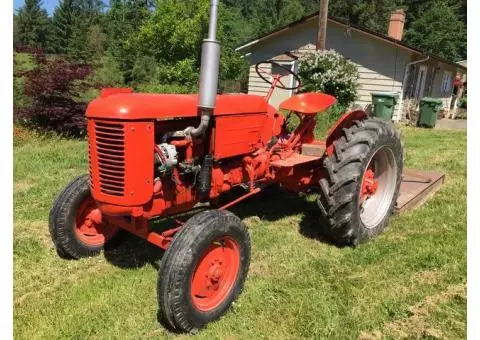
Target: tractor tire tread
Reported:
[(339, 191), (60, 219), (177, 265)]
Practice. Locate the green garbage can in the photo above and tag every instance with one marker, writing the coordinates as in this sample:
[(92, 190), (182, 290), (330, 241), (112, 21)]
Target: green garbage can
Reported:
[(384, 104), (429, 108)]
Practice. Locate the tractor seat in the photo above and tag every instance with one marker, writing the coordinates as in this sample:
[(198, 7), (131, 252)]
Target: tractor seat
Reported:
[(309, 103)]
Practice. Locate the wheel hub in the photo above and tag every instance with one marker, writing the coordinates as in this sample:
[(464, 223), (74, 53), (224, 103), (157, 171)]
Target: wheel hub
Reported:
[(378, 187), (215, 274), (89, 227), (369, 185)]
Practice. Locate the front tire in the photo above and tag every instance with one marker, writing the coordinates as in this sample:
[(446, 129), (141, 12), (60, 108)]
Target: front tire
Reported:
[(362, 183), (204, 270), (73, 228)]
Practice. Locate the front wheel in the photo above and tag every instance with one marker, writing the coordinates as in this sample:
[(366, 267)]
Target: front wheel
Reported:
[(75, 223), (362, 183), (203, 270)]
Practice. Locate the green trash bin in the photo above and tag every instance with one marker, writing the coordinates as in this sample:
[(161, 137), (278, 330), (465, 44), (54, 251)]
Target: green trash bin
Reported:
[(384, 104), (429, 108)]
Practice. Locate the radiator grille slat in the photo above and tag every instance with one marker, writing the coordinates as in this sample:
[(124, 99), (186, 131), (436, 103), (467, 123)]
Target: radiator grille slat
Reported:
[(110, 151)]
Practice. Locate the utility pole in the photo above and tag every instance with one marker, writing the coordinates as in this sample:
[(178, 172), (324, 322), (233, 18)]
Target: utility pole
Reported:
[(322, 25)]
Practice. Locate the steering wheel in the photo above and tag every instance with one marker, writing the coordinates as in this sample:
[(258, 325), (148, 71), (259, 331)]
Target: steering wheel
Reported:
[(263, 73)]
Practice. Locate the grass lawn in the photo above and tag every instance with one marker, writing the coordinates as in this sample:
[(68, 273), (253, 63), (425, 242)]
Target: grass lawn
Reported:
[(408, 283)]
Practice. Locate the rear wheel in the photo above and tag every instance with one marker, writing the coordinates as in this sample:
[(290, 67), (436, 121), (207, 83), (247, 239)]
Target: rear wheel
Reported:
[(75, 223), (362, 184), (203, 270)]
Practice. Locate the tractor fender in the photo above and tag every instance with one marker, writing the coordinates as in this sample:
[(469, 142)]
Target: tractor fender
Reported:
[(344, 122)]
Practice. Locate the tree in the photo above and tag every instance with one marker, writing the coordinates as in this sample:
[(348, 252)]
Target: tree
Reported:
[(76, 24), (16, 38), (272, 14), (63, 22), (109, 73), (33, 25), (439, 30), (176, 48), (122, 24), (96, 42)]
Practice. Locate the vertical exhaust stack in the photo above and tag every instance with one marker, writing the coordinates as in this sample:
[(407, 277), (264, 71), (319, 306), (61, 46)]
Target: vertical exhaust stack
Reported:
[(208, 74)]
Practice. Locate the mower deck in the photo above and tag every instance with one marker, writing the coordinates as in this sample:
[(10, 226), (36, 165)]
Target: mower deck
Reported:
[(417, 187)]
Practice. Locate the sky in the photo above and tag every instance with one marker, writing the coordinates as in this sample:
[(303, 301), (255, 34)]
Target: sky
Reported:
[(49, 5)]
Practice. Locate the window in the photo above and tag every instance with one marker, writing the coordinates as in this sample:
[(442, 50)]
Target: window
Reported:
[(446, 82)]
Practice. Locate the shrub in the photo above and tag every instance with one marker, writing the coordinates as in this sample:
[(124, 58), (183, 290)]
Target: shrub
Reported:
[(331, 73), (54, 87), (21, 62), (462, 103), (109, 74), (164, 88)]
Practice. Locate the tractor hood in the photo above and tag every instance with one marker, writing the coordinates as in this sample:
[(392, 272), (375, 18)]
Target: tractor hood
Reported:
[(136, 106)]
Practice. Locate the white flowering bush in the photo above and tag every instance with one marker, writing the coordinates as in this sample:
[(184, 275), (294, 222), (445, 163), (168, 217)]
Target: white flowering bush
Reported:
[(331, 73)]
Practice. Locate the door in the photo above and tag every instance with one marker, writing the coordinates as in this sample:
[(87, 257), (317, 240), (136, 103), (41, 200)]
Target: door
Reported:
[(421, 79), (280, 95)]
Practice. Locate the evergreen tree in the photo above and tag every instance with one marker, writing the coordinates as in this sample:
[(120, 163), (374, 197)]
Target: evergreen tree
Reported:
[(439, 30), (63, 22), (33, 25), (272, 14), (123, 21), (16, 38), (73, 21)]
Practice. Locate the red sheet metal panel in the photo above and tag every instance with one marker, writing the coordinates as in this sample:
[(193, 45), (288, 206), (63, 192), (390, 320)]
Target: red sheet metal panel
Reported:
[(134, 106), (237, 135), (121, 161)]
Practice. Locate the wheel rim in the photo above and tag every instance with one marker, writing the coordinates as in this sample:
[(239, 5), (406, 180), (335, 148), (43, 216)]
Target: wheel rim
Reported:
[(89, 227), (378, 187), (215, 274)]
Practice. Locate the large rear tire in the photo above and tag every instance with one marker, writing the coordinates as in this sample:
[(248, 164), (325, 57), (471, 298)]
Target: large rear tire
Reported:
[(203, 271), (362, 184), (74, 230)]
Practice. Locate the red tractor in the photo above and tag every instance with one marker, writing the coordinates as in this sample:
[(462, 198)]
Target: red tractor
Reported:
[(156, 156)]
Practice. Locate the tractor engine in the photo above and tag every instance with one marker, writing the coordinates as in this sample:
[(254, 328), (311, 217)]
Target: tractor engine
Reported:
[(143, 163)]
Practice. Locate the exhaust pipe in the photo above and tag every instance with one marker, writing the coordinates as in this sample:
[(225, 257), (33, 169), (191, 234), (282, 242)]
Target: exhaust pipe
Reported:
[(208, 74)]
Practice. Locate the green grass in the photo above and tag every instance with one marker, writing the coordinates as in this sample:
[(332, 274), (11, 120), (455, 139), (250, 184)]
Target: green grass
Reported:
[(409, 282)]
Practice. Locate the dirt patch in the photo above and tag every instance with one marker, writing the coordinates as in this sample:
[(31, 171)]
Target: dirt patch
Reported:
[(428, 277), (23, 185), (259, 267), (251, 221), (416, 325), (375, 335)]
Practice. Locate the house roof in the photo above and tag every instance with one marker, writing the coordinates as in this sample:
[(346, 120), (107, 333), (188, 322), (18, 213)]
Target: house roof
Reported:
[(364, 30)]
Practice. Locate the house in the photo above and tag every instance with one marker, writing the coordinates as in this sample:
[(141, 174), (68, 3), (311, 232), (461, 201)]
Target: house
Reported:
[(386, 64)]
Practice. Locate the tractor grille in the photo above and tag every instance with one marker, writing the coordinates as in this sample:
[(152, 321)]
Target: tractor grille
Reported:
[(110, 150)]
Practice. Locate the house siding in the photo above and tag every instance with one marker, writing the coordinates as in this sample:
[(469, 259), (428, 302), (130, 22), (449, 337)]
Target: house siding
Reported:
[(257, 85), (433, 85), (445, 96), (381, 64)]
